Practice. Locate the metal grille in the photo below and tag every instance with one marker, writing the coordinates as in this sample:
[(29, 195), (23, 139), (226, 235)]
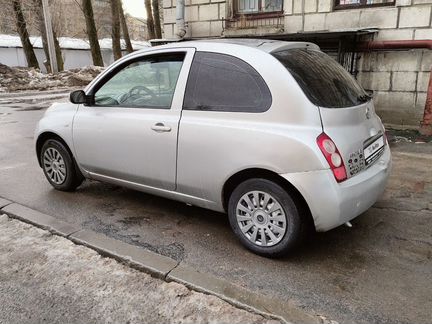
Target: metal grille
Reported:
[(244, 22), (362, 3)]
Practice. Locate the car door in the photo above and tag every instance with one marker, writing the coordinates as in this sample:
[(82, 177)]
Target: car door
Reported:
[(130, 130)]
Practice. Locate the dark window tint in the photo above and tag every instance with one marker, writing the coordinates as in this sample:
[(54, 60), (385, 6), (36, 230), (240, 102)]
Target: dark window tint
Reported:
[(221, 82), (324, 81)]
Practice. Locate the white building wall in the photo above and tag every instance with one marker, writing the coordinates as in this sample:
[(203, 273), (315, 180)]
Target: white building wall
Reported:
[(73, 58)]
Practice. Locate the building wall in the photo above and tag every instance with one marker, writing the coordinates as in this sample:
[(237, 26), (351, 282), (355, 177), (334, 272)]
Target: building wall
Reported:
[(73, 58), (137, 28), (399, 78)]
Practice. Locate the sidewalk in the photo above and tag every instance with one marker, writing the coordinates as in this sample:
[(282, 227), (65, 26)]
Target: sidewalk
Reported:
[(46, 278)]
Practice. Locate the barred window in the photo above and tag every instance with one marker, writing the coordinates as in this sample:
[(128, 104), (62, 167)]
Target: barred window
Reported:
[(343, 4), (257, 6)]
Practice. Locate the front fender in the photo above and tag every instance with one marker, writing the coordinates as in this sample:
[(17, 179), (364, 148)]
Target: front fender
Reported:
[(57, 121)]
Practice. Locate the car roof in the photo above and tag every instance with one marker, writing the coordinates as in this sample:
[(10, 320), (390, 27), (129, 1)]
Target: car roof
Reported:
[(266, 45)]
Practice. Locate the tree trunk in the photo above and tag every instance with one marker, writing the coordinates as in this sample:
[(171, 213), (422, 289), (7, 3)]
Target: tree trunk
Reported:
[(60, 63), (40, 17), (115, 31), (150, 24), (24, 35), (156, 17), (125, 28), (92, 33), (44, 37)]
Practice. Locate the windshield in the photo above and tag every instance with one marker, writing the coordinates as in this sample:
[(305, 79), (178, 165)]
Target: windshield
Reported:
[(324, 81)]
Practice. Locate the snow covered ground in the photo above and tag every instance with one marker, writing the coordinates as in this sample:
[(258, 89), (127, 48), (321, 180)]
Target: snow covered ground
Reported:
[(20, 78)]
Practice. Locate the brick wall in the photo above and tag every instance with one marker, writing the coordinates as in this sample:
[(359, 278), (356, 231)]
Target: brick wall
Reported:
[(399, 78), (204, 17)]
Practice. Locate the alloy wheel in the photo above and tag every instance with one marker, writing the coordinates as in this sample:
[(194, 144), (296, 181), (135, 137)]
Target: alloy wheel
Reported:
[(54, 166), (261, 218)]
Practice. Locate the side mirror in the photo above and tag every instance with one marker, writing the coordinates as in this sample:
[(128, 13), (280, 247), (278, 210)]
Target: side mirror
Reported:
[(79, 97)]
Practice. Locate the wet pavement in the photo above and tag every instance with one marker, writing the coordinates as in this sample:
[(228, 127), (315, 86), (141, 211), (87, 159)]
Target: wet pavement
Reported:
[(378, 271)]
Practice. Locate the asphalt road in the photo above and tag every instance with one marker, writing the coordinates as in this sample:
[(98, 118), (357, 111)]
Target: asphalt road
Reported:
[(379, 271)]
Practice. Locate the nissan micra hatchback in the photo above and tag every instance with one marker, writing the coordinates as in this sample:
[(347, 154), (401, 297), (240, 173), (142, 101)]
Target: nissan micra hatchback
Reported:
[(276, 134)]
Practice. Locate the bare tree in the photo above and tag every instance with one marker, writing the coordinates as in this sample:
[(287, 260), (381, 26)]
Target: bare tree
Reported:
[(92, 33), (24, 35), (42, 29), (125, 28), (150, 23), (115, 29), (156, 18), (60, 63)]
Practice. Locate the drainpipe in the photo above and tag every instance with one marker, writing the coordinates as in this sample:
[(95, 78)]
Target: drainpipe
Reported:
[(180, 22), (426, 123)]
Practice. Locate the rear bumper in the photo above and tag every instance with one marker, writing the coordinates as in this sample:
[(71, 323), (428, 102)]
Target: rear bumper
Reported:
[(333, 204)]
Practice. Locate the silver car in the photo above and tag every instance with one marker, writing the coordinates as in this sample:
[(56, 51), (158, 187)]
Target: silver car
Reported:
[(276, 134)]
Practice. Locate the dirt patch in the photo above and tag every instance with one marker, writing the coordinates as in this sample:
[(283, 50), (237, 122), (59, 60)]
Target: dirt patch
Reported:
[(23, 78), (406, 136)]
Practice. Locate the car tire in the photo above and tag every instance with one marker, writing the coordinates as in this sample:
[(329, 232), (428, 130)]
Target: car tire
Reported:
[(284, 222), (59, 166)]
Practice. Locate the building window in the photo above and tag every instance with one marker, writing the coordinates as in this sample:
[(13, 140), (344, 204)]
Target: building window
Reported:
[(345, 4), (257, 6)]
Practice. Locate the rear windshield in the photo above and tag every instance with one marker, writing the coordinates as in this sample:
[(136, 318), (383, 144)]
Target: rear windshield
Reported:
[(324, 81)]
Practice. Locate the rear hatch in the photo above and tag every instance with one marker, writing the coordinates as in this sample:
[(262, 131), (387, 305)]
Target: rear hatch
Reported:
[(347, 112)]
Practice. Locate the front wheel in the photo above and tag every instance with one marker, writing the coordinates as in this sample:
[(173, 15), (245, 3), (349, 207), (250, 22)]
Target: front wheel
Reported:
[(59, 166), (264, 217)]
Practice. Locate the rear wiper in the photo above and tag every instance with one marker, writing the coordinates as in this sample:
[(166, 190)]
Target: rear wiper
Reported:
[(364, 98)]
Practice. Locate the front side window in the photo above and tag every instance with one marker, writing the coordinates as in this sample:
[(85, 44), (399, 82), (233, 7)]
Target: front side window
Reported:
[(219, 82), (324, 81), (143, 83), (342, 4)]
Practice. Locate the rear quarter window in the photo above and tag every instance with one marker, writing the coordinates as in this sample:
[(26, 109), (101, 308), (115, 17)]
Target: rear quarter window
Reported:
[(219, 82), (324, 81)]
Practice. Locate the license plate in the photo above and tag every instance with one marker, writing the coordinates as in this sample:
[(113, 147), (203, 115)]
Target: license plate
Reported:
[(373, 150)]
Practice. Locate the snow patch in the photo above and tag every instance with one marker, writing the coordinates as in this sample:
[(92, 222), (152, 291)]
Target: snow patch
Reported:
[(69, 43)]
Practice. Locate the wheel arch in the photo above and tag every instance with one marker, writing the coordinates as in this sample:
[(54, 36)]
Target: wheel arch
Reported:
[(43, 137), (251, 173)]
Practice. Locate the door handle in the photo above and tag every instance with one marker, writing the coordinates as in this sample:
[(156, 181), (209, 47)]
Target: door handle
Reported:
[(160, 128)]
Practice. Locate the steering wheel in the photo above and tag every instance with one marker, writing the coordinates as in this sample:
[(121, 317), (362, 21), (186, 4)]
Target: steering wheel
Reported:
[(138, 90)]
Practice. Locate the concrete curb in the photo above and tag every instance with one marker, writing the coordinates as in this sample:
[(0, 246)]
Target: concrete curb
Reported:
[(155, 264), (4, 202), (239, 296), (160, 266), (38, 219)]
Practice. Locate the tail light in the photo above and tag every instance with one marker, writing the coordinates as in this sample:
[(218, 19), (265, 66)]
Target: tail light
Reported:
[(333, 157)]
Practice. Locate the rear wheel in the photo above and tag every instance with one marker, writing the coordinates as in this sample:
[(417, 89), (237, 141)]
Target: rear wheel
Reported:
[(59, 166), (264, 217)]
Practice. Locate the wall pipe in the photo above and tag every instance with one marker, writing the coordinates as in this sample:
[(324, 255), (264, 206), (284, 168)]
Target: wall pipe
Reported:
[(180, 21), (426, 123)]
